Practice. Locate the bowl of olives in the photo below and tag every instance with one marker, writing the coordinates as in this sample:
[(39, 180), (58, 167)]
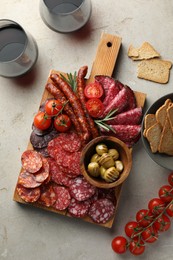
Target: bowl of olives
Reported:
[(106, 162)]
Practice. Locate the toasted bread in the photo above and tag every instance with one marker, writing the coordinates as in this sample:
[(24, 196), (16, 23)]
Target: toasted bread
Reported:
[(161, 113), (149, 120), (145, 52), (170, 115), (153, 135), (166, 141)]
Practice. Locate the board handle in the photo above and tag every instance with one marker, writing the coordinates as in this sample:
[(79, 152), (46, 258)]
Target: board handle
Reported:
[(106, 56)]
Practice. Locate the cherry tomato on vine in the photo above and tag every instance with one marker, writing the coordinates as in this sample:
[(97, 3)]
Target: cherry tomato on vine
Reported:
[(170, 178), (169, 210), (162, 224), (42, 121), (166, 193), (119, 244), (136, 246), (93, 90), (144, 217), (132, 228), (95, 107), (150, 235), (53, 107), (156, 206), (62, 123)]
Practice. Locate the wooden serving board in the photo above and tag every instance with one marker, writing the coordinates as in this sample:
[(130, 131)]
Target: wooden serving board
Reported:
[(104, 63)]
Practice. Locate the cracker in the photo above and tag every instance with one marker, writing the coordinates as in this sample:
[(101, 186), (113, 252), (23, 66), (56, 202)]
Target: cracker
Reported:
[(154, 70), (145, 52), (170, 115), (149, 120), (153, 135), (166, 141), (132, 52), (161, 112)]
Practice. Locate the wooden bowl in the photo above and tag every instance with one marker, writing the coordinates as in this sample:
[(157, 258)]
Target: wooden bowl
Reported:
[(111, 142)]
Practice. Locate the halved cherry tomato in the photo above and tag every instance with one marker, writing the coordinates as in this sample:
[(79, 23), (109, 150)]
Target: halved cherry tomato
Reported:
[(144, 217), (53, 107), (150, 235), (136, 246), (156, 206), (132, 228), (170, 178), (62, 123), (42, 121), (119, 244), (93, 90), (95, 107), (166, 193), (162, 224)]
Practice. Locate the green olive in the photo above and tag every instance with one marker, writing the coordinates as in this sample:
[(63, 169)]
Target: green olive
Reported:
[(114, 153), (106, 161), (102, 171), (119, 165), (101, 149), (111, 174), (95, 158), (93, 169)]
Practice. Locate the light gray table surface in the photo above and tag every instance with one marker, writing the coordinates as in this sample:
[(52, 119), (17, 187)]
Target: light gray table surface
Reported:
[(29, 233)]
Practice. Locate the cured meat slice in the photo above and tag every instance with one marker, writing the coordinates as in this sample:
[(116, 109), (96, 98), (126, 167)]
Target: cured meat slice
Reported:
[(31, 161), (63, 198), (81, 190), (118, 103), (70, 142), (101, 211), (43, 173), (72, 163), (43, 151), (108, 194), (28, 180), (131, 98), (48, 196), (130, 117), (28, 195), (78, 209)]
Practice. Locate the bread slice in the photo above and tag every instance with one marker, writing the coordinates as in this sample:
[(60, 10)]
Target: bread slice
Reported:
[(149, 120), (161, 113), (154, 70), (145, 52), (153, 135), (170, 115), (132, 52), (166, 141)]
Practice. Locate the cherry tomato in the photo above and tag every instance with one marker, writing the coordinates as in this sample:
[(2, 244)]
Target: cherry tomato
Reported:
[(93, 90), (95, 107), (156, 206), (53, 107), (150, 235), (169, 210), (144, 217), (163, 223), (166, 193), (62, 123), (42, 121), (132, 228), (170, 178), (119, 244), (136, 246)]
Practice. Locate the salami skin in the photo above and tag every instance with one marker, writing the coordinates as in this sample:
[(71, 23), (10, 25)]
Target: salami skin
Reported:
[(101, 211), (31, 161), (63, 198), (80, 92), (75, 103), (81, 190), (78, 209), (28, 195)]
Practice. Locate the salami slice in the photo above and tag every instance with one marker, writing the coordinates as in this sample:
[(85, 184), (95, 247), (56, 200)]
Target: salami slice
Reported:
[(28, 180), (43, 173), (131, 98), (101, 211), (63, 198), (28, 195), (81, 190), (108, 194), (78, 209), (31, 161), (48, 196), (70, 142)]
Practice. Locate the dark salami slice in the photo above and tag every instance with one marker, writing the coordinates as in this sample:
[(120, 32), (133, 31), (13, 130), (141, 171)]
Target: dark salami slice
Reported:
[(31, 161), (101, 211), (42, 141), (48, 196), (42, 132), (81, 190), (28, 195), (63, 198), (131, 98), (130, 117), (108, 194), (28, 180), (78, 209), (43, 151)]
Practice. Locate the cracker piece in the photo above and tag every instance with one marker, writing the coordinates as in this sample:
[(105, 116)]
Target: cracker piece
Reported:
[(170, 115), (166, 141), (154, 70), (161, 112), (132, 52), (153, 135), (149, 120), (146, 51)]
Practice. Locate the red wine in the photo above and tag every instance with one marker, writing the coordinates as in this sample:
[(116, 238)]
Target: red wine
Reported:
[(12, 43), (66, 7)]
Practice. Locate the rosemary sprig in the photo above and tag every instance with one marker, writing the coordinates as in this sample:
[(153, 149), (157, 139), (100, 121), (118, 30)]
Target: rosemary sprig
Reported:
[(101, 122), (71, 79)]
